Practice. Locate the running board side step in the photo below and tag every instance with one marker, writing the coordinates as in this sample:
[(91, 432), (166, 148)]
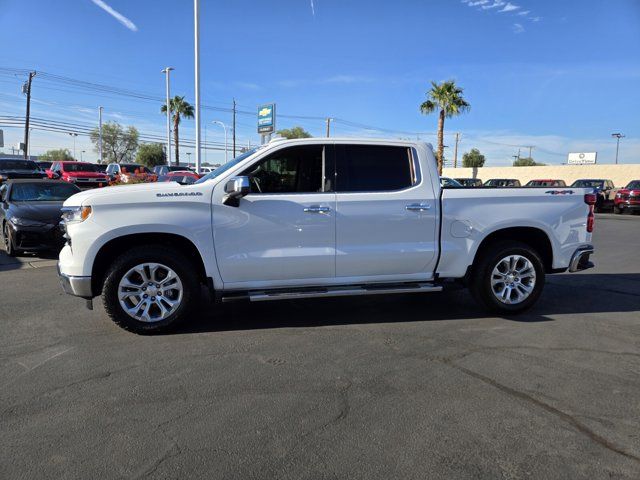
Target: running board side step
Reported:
[(343, 291)]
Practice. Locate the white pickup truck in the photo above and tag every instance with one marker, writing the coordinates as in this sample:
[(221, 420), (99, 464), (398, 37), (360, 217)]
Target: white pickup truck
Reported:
[(313, 218)]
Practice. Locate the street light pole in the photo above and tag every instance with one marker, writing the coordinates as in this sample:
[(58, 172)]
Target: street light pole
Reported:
[(618, 136), (100, 130), (74, 135), (188, 159), (167, 72), (82, 155), (225, 137), (196, 32)]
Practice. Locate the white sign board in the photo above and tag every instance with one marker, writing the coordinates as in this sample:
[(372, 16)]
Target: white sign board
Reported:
[(582, 158)]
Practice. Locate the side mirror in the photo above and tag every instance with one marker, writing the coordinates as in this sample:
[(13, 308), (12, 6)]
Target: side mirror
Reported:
[(235, 189)]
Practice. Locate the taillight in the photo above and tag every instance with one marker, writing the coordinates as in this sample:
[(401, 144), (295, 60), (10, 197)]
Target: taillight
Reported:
[(590, 199)]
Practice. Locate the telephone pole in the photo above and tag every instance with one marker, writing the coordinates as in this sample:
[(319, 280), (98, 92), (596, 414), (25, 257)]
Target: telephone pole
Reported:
[(530, 147), (234, 128), (455, 152), (329, 126), (167, 71), (27, 90)]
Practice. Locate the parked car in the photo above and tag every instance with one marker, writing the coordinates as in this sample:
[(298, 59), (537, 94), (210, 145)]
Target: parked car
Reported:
[(82, 174), (116, 170), (604, 189), (182, 177), (30, 212), (545, 183), (447, 182), (44, 166), (469, 182), (205, 170), (17, 168), (264, 227), (502, 182), (628, 198), (160, 170)]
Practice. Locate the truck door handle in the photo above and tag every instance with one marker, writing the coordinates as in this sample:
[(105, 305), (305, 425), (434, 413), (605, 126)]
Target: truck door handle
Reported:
[(418, 207), (316, 209)]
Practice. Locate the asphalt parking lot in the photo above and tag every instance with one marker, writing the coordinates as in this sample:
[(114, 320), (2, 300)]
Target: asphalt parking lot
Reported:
[(402, 386)]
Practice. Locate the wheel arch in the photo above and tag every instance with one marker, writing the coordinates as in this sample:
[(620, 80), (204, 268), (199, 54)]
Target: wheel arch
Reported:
[(120, 244), (534, 237)]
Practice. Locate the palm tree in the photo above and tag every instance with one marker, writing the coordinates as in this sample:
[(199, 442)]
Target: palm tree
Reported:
[(180, 108), (447, 98)]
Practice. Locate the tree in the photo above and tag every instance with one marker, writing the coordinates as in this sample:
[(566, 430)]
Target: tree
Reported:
[(295, 132), (447, 99), (59, 155), (180, 108), (527, 162), (151, 154), (118, 145), (473, 159)]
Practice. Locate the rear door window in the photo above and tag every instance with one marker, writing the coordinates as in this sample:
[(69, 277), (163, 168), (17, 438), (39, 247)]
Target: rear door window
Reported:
[(374, 168)]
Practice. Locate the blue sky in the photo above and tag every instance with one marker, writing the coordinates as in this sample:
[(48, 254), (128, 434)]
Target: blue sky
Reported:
[(560, 75)]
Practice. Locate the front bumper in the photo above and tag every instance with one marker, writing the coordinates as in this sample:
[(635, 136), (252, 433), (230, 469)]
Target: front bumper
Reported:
[(77, 286), (580, 259), (27, 238)]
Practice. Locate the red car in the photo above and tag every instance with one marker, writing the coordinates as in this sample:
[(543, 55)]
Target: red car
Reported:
[(82, 174), (185, 177), (628, 198)]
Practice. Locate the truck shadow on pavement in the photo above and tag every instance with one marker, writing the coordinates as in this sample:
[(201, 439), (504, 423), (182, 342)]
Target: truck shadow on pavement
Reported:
[(563, 294)]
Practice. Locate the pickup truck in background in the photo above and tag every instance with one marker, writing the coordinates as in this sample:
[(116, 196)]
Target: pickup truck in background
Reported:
[(313, 218)]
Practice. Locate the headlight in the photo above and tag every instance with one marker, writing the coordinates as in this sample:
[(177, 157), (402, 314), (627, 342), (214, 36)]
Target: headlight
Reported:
[(25, 222), (75, 214)]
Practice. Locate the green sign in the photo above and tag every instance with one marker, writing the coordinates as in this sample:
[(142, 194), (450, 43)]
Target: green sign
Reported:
[(267, 118)]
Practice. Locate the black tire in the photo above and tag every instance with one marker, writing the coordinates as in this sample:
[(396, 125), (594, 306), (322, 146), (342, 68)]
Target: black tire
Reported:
[(617, 211), (9, 245), (164, 255), (486, 261)]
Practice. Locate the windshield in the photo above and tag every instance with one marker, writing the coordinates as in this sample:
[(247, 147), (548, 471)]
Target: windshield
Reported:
[(588, 184), (449, 182), (80, 167), (18, 165), (42, 192), (500, 183), (132, 167), (634, 184), (226, 166), (540, 183)]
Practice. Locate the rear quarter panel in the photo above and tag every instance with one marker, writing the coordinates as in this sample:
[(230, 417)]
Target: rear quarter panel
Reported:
[(471, 214)]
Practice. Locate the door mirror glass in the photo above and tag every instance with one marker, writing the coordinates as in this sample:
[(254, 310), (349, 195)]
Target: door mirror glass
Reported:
[(235, 189)]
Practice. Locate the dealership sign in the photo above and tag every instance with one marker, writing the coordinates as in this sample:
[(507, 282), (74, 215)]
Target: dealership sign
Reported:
[(582, 158), (267, 118)]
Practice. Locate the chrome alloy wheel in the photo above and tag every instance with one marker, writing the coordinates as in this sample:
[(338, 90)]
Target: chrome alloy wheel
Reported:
[(150, 292), (513, 279)]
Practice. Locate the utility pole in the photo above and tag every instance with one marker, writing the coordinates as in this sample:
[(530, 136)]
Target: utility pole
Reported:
[(100, 134), (167, 73), (329, 126), (82, 155), (618, 136), (196, 30), (455, 152), (234, 128), (530, 147), (27, 87)]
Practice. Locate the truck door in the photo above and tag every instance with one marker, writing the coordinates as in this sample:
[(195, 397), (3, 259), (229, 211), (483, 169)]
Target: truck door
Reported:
[(386, 225), (283, 232)]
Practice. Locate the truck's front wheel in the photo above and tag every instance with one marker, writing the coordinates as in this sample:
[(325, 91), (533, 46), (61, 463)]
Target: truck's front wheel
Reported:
[(508, 277), (150, 289)]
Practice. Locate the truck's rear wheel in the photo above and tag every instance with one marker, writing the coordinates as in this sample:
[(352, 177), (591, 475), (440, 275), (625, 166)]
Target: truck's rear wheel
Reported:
[(150, 289), (508, 278)]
